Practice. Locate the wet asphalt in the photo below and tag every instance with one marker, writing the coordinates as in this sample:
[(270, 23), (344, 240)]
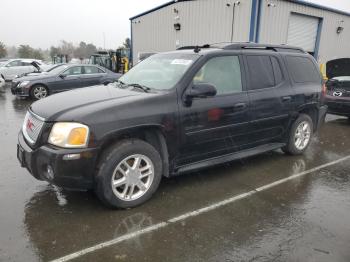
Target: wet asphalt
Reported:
[(304, 219)]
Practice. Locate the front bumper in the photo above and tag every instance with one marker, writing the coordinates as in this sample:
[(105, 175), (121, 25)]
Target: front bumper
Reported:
[(338, 106), (48, 163), (19, 91)]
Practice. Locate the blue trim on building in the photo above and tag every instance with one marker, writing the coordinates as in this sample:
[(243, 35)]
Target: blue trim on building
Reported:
[(131, 45), (253, 21), (258, 20), (300, 2), (318, 38)]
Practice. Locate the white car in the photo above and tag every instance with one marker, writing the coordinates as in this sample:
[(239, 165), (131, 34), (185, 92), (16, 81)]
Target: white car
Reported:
[(14, 67), (2, 84)]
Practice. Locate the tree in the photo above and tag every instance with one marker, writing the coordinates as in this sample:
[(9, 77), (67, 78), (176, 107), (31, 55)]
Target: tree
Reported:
[(3, 51), (25, 51), (37, 54), (127, 43), (54, 51)]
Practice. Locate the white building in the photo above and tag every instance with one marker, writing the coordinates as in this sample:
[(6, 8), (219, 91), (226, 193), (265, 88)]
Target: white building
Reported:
[(322, 31)]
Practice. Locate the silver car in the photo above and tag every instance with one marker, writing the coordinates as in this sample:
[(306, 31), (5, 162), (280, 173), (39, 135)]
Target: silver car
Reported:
[(14, 67)]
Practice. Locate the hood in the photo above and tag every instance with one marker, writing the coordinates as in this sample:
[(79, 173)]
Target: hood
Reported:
[(35, 76), (338, 67), (81, 102)]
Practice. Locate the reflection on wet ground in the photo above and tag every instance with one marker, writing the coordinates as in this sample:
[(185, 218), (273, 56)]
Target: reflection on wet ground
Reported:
[(305, 219)]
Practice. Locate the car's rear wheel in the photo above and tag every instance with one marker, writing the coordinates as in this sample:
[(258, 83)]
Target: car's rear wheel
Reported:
[(39, 92), (128, 174), (300, 135)]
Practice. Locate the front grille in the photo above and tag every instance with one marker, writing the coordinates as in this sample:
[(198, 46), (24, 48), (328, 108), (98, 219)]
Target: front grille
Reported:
[(32, 126)]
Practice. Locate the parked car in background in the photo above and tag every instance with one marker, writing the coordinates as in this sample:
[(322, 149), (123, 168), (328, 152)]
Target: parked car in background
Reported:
[(62, 78), (174, 113), (39, 70), (338, 87), (14, 67), (2, 84)]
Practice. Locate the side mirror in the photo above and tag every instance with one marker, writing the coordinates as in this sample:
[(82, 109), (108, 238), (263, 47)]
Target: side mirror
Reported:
[(62, 76), (200, 90)]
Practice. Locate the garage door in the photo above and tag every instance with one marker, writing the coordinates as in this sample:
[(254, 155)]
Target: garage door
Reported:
[(302, 31)]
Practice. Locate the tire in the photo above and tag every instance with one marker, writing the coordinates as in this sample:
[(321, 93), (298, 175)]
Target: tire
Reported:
[(38, 92), (298, 140), (118, 165)]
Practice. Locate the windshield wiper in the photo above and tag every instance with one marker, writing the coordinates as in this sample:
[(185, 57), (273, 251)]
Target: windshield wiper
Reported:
[(142, 87)]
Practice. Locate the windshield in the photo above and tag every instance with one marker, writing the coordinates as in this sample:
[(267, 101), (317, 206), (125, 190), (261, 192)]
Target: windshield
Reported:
[(58, 69), (160, 71)]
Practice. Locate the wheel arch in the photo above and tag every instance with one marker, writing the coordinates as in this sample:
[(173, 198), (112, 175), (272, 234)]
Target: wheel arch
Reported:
[(312, 111), (151, 134), (39, 84)]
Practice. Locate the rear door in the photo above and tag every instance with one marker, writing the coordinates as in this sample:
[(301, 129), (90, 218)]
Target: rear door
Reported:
[(92, 76), (271, 98), (214, 126)]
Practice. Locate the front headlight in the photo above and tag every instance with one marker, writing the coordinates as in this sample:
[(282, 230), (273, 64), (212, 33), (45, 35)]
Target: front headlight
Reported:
[(23, 84), (69, 135)]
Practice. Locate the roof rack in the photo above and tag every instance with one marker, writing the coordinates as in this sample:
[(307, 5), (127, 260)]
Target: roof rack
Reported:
[(276, 48), (193, 47), (246, 45)]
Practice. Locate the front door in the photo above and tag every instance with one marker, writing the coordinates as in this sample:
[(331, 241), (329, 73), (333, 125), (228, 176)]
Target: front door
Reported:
[(67, 80), (215, 126), (271, 99)]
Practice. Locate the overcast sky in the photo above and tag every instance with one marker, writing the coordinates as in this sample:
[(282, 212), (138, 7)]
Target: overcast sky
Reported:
[(42, 23)]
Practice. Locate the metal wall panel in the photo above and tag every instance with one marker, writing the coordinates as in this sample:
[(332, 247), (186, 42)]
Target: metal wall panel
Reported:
[(274, 27), (202, 22)]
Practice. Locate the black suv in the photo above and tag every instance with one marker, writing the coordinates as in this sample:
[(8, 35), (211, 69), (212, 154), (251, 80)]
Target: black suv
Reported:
[(174, 113)]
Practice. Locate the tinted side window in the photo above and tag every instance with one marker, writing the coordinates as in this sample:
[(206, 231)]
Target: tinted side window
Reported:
[(73, 71), (302, 69), (14, 63), (277, 71), (260, 72), (91, 70), (223, 72)]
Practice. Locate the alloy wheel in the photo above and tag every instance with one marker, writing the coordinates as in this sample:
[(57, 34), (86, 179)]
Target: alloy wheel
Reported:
[(132, 177), (302, 135), (40, 92)]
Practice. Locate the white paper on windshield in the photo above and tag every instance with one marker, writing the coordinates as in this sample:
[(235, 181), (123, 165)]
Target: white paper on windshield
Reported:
[(181, 62)]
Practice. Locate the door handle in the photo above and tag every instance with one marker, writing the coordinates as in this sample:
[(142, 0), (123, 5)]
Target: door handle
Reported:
[(240, 106), (286, 99)]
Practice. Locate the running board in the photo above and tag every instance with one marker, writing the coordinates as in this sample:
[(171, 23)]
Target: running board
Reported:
[(229, 157)]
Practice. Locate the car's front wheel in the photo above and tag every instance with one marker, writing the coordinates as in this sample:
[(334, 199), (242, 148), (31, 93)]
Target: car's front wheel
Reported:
[(39, 92), (300, 135), (128, 174)]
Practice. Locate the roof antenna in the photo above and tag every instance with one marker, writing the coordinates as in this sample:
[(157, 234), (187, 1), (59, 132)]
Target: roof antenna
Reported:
[(197, 49)]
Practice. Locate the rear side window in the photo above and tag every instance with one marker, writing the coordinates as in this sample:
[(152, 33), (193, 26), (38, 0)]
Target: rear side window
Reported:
[(91, 70), (302, 70), (260, 72)]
